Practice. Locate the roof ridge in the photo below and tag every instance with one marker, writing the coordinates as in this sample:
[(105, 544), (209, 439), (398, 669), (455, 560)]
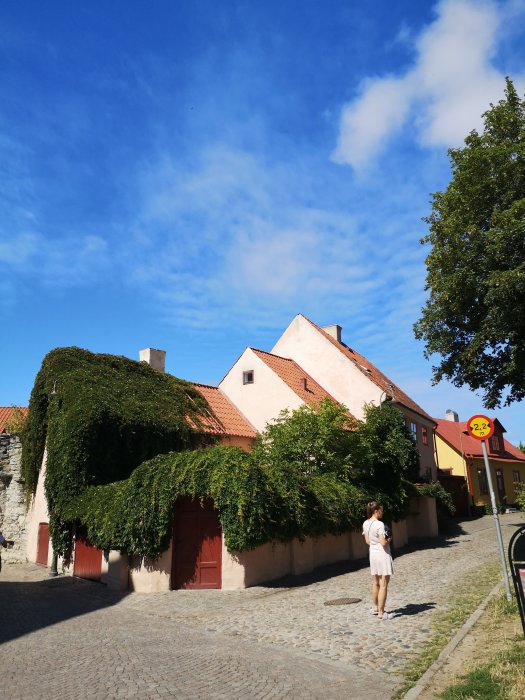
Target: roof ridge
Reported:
[(266, 352)]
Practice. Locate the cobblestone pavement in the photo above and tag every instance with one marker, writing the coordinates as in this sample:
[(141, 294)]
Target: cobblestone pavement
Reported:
[(70, 638)]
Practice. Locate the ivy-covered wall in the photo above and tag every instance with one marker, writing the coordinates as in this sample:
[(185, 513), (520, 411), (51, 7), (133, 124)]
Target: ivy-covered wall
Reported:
[(101, 416), (124, 441)]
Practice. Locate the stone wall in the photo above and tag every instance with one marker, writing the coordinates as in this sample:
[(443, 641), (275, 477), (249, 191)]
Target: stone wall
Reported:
[(12, 498)]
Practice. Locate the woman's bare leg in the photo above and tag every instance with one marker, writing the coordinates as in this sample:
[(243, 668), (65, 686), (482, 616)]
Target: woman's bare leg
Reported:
[(381, 599), (375, 591)]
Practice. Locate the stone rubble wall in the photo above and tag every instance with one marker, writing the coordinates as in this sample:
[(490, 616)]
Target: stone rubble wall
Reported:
[(13, 509)]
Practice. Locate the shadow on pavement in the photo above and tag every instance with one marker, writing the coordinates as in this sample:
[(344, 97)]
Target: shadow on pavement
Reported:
[(28, 606), (414, 609)]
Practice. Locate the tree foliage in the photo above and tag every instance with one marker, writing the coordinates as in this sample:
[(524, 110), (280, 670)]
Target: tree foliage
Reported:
[(474, 317)]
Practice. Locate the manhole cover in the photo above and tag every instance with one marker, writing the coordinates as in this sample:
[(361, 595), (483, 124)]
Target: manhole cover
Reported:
[(343, 601)]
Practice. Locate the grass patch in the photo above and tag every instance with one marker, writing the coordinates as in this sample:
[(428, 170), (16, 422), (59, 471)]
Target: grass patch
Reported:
[(465, 597), (503, 676)]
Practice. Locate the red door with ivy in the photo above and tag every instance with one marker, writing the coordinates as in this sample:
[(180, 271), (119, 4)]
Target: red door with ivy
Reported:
[(42, 547), (88, 559), (197, 545)]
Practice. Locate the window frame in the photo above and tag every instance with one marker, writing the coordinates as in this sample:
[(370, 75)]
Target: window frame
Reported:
[(248, 376)]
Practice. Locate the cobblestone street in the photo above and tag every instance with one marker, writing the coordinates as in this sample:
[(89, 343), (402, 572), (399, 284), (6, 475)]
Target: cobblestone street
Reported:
[(70, 638)]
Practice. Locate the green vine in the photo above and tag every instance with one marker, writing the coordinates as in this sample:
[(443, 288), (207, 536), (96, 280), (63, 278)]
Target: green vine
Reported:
[(256, 505), (100, 417)]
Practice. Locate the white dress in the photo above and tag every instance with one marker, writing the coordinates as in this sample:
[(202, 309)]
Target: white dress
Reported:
[(380, 558)]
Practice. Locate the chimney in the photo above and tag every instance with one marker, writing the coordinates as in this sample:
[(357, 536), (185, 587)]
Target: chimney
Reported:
[(451, 416), (334, 330), (154, 358)]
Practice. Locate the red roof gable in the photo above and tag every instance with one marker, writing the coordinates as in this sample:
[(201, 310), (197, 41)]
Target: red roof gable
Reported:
[(295, 377), (375, 375), (227, 419), (6, 414), (455, 433)]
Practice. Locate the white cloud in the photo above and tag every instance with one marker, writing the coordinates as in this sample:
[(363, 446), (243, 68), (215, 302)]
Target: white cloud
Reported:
[(442, 96)]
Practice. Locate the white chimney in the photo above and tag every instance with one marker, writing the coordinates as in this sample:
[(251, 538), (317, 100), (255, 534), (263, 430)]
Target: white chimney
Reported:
[(334, 330), (154, 358), (451, 416)]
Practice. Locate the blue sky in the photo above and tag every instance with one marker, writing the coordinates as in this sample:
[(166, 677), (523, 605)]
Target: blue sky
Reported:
[(189, 176)]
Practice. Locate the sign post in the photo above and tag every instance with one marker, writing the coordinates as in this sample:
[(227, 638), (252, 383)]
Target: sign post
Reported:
[(481, 428)]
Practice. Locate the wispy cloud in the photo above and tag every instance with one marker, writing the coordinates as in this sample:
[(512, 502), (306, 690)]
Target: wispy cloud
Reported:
[(442, 96)]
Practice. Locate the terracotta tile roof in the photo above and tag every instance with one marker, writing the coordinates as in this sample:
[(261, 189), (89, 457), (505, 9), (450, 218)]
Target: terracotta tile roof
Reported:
[(6, 413), (227, 420), (375, 375), (455, 433), (295, 377)]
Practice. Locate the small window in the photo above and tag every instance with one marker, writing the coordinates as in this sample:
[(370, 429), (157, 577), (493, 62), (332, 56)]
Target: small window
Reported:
[(247, 377), (482, 480), (495, 443), (516, 480), (424, 435), (413, 430)]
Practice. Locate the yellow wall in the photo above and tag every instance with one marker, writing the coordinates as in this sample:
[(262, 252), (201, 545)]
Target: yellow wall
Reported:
[(507, 468), (449, 458)]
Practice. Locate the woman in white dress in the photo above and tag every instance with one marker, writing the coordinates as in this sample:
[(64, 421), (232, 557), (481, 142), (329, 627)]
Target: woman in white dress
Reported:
[(381, 566)]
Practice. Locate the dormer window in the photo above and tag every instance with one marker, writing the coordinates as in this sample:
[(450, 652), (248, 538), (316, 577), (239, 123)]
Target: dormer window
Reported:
[(495, 443), (247, 377)]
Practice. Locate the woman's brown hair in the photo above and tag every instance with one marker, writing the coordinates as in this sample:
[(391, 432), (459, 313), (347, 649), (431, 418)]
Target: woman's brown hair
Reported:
[(372, 507)]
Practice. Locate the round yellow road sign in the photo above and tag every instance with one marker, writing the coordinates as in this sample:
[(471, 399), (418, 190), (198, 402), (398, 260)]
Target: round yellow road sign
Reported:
[(480, 427)]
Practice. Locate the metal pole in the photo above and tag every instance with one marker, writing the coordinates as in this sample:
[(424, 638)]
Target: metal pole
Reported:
[(54, 570), (496, 521)]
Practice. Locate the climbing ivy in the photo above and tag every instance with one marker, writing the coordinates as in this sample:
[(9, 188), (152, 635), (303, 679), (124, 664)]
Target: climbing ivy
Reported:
[(101, 416), (256, 505)]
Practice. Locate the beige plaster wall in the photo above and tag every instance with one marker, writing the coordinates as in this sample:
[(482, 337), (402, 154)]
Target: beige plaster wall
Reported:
[(262, 401), (422, 521), (400, 533), (146, 576), (243, 569), (427, 452), (115, 570), (37, 514)]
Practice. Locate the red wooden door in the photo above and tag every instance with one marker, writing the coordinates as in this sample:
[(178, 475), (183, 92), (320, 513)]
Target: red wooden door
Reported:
[(197, 545), (88, 559), (42, 547)]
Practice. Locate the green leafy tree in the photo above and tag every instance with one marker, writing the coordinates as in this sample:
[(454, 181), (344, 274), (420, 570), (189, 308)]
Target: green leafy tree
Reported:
[(521, 447), (474, 317), (311, 440), (385, 458)]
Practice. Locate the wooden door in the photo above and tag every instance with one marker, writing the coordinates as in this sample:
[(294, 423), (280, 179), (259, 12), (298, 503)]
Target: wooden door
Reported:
[(42, 547), (88, 559), (197, 545)]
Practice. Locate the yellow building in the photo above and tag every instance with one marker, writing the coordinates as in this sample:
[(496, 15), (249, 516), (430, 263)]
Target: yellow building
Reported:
[(460, 455)]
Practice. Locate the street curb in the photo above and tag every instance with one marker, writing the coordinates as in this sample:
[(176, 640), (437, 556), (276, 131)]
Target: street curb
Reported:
[(425, 679)]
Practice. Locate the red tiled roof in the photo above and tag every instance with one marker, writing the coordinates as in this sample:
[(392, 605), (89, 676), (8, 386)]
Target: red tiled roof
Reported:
[(295, 377), (455, 433), (375, 375), (6, 414), (227, 419)]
